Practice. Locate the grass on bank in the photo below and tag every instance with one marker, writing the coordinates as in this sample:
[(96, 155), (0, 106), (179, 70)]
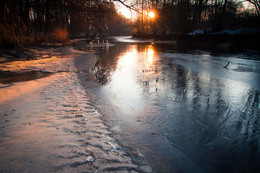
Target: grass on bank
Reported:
[(14, 35)]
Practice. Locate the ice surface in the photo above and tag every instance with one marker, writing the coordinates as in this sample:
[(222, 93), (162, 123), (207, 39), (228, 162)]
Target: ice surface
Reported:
[(213, 66), (191, 114)]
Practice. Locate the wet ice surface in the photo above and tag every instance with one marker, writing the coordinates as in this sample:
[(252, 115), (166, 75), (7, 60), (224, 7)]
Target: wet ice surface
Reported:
[(49, 124), (184, 112)]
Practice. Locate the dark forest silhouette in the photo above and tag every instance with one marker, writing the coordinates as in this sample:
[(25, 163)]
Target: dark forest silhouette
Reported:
[(31, 21), (24, 21), (183, 16)]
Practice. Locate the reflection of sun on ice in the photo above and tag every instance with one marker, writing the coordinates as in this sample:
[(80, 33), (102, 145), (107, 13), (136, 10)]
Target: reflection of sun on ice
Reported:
[(123, 83), (127, 61), (150, 56)]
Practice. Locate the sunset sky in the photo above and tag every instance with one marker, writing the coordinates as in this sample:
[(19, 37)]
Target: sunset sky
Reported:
[(130, 14)]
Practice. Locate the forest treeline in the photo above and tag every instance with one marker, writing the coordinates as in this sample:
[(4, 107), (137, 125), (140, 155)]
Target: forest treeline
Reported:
[(30, 21), (184, 16)]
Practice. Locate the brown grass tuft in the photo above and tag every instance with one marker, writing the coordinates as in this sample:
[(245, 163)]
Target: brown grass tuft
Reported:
[(12, 35), (59, 35)]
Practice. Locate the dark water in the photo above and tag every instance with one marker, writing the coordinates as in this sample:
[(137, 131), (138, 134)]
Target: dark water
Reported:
[(20, 77), (184, 112)]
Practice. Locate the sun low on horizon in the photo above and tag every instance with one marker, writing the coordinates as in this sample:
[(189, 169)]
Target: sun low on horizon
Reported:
[(151, 14)]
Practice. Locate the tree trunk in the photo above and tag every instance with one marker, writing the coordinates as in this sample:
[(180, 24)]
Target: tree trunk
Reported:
[(47, 19), (2, 6), (39, 18), (26, 13)]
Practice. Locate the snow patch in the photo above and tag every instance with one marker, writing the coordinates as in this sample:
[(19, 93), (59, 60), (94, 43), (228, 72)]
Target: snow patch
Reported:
[(97, 114), (196, 32), (90, 159), (238, 31), (114, 148)]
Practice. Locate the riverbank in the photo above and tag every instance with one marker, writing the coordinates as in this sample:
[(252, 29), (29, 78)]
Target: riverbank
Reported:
[(217, 42), (24, 53)]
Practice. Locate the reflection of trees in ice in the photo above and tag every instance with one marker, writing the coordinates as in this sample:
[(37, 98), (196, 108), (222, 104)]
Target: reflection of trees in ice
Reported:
[(248, 120), (248, 125), (213, 130), (106, 64)]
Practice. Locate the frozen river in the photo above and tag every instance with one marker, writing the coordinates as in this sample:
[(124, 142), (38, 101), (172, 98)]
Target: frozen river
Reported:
[(144, 106), (180, 108)]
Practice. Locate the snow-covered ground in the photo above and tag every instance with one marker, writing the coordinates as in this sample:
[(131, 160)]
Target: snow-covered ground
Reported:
[(49, 125)]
